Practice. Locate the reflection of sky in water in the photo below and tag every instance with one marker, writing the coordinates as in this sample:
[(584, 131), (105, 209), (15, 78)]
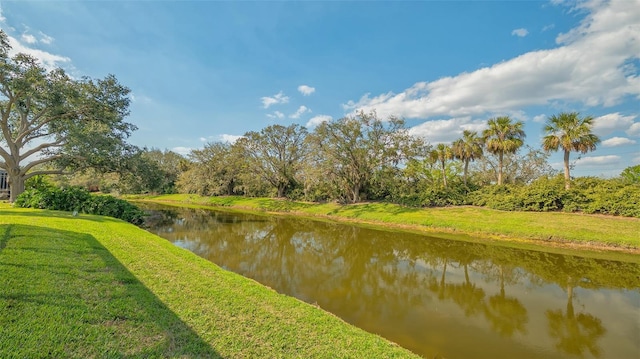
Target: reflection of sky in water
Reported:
[(392, 285)]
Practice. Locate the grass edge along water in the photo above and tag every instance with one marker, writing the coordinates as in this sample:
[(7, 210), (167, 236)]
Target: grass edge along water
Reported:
[(91, 286)]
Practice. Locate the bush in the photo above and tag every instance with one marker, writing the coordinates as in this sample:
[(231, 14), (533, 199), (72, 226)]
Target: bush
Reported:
[(80, 200), (543, 195), (503, 197), (587, 195)]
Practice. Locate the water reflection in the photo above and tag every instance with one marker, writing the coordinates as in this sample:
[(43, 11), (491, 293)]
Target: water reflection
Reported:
[(575, 334), (433, 296)]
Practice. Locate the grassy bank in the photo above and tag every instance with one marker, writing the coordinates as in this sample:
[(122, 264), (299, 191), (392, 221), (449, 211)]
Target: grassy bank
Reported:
[(92, 286), (552, 228)]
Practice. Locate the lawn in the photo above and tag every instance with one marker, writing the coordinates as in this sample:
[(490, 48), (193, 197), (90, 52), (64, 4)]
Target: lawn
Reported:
[(88, 286)]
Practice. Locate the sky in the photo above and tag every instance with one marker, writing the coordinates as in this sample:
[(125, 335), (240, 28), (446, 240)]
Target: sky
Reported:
[(206, 71)]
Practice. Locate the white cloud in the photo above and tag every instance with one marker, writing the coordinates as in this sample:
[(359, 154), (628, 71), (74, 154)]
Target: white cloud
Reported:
[(278, 98), (301, 111), (597, 161), (605, 125), (617, 141), (306, 90), (446, 131), (2, 18), (587, 67), (229, 138), (221, 138), (141, 99), (48, 60), (634, 130), (522, 32), (182, 150), (29, 39), (45, 39), (316, 120), (540, 118), (276, 114), (548, 27)]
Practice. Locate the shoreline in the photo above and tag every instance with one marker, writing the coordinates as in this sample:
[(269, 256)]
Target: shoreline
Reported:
[(340, 213), (134, 285)]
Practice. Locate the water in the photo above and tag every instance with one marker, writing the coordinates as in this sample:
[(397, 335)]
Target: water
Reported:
[(434, 296)]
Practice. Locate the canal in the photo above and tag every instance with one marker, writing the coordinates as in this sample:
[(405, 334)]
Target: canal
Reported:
[(434, 296)]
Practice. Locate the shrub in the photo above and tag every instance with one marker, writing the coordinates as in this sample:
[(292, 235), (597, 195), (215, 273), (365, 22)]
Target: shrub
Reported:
[(79, 199), (502, 197), (542, 195)]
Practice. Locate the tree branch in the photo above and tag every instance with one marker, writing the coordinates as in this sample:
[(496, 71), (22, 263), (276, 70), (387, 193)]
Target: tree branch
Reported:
[(26, 130), (32, 164), (46, 172), (40, 148)]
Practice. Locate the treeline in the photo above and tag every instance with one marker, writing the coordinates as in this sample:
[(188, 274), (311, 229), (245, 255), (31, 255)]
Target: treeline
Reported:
[(365, 158)]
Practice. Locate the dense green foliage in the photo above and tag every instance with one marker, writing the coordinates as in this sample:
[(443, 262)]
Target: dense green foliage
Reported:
[(52, 123), (588, 195), (107, 289), (571, 133), (78, 199)]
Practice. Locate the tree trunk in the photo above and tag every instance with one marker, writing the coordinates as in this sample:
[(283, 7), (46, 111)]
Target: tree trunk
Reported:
[(16, 184), (356, 193), (567, 176), (444, 175), (281, 188), (466, 171), (500, 158)]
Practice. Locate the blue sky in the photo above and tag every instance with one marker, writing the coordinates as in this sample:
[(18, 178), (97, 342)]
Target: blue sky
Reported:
[(211, 70)]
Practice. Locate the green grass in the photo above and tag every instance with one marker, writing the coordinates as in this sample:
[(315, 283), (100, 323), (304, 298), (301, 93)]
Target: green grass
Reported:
[(552, 227), (89, 286)]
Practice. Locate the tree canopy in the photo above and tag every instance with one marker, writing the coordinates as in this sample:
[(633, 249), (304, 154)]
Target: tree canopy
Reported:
[(49, 118), (571, 133), (503, 137), (352, 149)]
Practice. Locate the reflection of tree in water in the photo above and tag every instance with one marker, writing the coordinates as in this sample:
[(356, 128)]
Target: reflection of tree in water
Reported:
[(467, 295), (506, 314), (575, 334), (383, 275), (159, 218)]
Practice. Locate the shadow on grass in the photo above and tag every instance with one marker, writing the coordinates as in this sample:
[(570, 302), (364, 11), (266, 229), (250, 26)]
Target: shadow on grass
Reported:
[(62, 294)]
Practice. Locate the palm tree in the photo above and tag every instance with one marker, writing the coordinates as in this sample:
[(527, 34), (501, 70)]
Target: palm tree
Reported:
[(467, 149), (503, 136), (441, 154), (572, 133)]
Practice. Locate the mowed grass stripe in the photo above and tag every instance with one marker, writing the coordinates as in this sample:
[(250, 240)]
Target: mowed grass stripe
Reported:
[(92, 286)]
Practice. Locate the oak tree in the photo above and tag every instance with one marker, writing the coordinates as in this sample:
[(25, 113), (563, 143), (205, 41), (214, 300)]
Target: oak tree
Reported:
[(49, 118)]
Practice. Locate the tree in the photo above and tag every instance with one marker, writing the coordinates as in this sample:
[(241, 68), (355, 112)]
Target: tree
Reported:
[(518, 168), (571, 133), (152, 171), (351, 149), (503, 137), (215, 170), (441, 154), (631, 174), (275, 154), (468, 149), (48, 118)]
